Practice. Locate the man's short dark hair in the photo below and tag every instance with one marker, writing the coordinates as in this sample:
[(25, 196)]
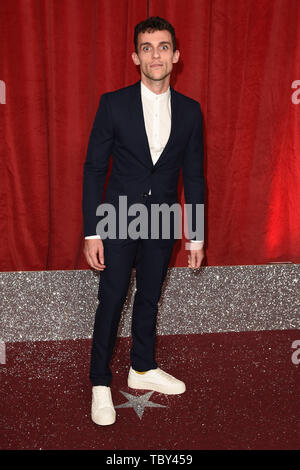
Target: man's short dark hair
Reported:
[(151, 24)]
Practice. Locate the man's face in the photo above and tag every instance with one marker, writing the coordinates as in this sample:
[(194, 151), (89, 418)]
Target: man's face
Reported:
[(155, 54)]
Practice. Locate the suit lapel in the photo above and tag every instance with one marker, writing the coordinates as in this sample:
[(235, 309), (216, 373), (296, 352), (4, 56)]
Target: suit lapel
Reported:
[(141, 133)]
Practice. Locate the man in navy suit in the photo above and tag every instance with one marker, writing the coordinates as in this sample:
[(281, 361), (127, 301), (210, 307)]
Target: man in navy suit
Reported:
[(151, 131)]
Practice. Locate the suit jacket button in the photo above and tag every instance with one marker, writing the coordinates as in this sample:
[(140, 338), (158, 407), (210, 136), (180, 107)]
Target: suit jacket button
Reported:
[(145, 194)]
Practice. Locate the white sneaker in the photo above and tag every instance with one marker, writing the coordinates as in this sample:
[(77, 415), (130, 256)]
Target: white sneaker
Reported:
[(103, 411), (156, 379)]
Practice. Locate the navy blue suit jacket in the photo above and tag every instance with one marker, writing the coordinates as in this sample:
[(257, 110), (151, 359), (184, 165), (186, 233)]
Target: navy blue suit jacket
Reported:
[(119, 130)]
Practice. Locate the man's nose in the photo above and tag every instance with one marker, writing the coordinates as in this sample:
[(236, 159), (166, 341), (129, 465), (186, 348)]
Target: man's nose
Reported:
[(156, 52)]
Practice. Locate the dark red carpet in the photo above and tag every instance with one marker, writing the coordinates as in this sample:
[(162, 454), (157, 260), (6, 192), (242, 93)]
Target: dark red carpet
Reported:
[(241, 394)]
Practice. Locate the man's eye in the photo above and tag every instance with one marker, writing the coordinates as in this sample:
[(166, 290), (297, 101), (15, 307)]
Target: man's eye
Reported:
[(146, 48), (165, 47)]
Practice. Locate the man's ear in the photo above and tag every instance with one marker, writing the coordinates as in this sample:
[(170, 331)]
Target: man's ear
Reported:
[(176, 56), (135, 58)]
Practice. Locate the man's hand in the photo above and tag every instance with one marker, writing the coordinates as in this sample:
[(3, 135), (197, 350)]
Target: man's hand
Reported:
[(195, 258), (94, 253)]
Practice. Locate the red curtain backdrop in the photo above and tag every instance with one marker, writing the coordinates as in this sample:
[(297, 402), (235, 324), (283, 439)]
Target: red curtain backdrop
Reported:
[(239, 58)]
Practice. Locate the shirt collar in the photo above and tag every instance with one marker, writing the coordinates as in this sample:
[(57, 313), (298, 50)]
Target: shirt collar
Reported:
[(150, 94)]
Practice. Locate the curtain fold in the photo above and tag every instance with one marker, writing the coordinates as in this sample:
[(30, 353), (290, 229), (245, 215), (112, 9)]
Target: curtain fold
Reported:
[(239, 59)]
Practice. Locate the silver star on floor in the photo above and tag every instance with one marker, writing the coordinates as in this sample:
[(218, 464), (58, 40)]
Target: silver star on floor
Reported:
[(139, 403)]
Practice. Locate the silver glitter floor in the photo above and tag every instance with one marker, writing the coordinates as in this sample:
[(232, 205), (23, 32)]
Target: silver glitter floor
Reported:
[(59, 305)]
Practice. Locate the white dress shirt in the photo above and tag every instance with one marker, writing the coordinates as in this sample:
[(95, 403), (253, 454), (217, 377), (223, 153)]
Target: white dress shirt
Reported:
[(157, 117)]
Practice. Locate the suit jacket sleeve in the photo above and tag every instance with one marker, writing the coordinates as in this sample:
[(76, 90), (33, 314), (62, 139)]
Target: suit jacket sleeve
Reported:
[(96, 165), (193, 177)]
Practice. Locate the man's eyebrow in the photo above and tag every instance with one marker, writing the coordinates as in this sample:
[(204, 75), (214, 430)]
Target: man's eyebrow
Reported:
[(150, 44)]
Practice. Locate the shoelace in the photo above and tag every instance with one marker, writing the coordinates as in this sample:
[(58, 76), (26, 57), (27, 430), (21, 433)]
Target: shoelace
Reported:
[(162, 373), (102, 393), (101, 397)]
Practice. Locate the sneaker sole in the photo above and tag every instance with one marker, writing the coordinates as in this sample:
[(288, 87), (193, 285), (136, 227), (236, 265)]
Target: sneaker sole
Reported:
[(156, 387), (103, 421), (108, 423)]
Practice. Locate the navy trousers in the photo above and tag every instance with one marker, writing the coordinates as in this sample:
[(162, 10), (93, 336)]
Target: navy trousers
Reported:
[(151, 259)]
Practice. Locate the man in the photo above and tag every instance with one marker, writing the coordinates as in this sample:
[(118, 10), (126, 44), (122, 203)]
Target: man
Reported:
[(151, 131)]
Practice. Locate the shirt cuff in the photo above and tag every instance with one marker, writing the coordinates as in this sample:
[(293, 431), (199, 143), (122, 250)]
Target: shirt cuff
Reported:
[(92, 236), (194, 245)]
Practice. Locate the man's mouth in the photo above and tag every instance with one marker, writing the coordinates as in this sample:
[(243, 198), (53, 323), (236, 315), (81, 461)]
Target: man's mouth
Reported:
[(156, 65)]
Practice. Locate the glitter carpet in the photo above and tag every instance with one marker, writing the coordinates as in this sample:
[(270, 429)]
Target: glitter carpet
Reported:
[(241, 394)]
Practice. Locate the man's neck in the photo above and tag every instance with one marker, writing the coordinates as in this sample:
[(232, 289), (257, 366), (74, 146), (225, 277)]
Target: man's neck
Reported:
[(156, 86)]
